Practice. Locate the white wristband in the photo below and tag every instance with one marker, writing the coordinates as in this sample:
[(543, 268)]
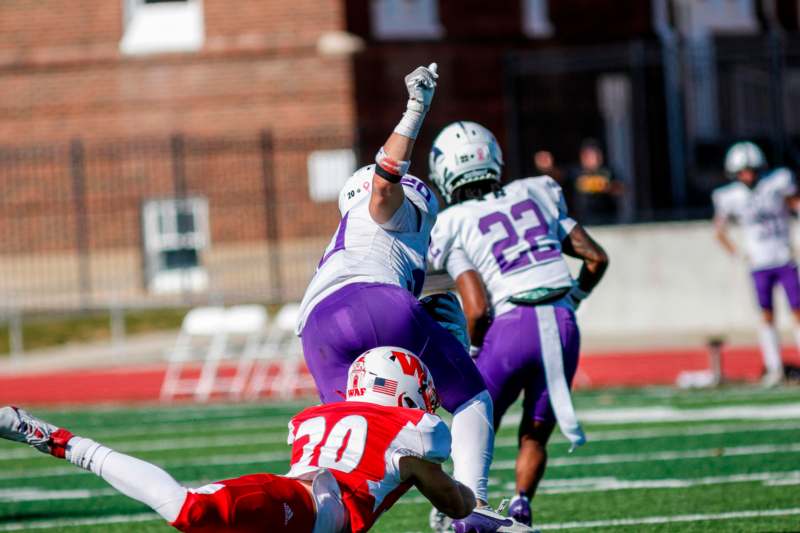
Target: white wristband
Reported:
[(411, 122)]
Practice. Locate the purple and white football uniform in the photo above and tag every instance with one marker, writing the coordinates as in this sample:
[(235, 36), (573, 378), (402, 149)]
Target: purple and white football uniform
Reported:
[(364, 295), (513, 240), (764, 216)]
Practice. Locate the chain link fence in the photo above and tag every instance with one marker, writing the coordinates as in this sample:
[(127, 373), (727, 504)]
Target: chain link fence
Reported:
[(172, 221)]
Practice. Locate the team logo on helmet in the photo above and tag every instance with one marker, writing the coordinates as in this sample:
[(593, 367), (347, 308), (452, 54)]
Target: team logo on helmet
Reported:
[(391, 376), (464, 152)]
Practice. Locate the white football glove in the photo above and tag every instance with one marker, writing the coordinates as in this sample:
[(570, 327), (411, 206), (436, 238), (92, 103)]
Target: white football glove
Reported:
[(421, 85)]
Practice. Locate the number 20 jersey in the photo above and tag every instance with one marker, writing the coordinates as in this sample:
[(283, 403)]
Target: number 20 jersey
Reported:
[(361, 445), (511, 238), (363, 251)]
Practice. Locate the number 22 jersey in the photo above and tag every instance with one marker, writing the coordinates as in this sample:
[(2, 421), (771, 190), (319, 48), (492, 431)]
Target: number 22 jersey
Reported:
[(361, 445), (512, 238)]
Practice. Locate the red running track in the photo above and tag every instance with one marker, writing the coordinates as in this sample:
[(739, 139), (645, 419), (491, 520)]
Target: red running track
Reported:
[(597, 370)]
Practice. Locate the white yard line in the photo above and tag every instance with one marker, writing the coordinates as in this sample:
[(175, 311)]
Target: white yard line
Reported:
[(616, 458), (619, 522), (230, 417), (556, 462), (184, 443), (75, 522), (643, 415), (603, 484), (231, 441)]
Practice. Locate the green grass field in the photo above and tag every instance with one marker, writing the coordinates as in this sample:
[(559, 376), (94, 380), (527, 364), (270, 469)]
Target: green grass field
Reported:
[(658, 460)]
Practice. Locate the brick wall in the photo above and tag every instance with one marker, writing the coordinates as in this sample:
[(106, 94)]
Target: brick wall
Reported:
[(61, 73)]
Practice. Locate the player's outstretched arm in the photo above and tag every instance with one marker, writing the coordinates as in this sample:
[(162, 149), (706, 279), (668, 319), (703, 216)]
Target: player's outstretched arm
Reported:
[(392, 161), (445, 493), (721, 233), (476, 305), (595, 260)]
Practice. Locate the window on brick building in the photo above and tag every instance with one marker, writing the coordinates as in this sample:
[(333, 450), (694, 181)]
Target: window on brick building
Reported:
[(174, 232), (536, 19), (327, 172), (162, 26), (406, 19)]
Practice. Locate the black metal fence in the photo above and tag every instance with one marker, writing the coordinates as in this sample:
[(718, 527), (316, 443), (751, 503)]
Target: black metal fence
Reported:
[(665, 110), (178, 220)]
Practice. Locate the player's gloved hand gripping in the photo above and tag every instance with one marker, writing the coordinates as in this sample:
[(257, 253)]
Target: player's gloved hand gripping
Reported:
[(393, 159), (421, 84)]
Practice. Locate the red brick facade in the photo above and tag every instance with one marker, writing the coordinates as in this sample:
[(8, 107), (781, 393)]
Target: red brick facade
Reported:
[(62, 75)]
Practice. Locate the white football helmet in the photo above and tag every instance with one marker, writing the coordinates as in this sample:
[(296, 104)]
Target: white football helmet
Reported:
[(355, 188), (464, 152), (743, 155), (393, 377)]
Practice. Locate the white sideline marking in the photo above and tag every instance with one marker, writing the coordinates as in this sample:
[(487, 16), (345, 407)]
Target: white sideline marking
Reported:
[(226, 441), (630, 415), (630, 434), (242, 418), (602, 484), (72, 522), (614, 458), (185, 443), (557, 462), (553, 486), (670, 519)]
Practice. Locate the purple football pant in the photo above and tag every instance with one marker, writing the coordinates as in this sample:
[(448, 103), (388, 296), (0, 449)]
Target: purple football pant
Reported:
[(362, 316), (511, 361), (766, 279)]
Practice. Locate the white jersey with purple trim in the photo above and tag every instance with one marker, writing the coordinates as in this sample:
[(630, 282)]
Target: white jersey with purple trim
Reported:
[(763, 214), (512, 238), (363, 251)]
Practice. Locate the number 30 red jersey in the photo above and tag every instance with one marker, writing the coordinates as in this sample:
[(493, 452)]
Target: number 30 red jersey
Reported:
[(361, 445)]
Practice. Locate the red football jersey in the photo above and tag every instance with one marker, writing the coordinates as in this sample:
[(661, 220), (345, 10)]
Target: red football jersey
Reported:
[(361, 444)]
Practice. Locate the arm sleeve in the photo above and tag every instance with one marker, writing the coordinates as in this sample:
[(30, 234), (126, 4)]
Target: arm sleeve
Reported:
[(565, 222), (429, 440), (436, 439), (407, 218), (457, 263), (720, 209), (441, 245), (786, 182)]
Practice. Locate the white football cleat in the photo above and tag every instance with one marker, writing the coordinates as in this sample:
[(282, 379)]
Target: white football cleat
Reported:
[(440, 522), (18, 425)]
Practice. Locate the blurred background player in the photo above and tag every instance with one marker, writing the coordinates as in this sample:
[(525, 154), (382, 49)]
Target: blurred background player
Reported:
[(595, 189), (350, 461), (364, 293), (503, 247), (759, 200)]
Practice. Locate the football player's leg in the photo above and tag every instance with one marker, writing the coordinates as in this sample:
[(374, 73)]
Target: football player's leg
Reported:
[(463, 392), (538, 418), (764, 281), (249, 504), (337, 331), (134, 478), (791, 284)]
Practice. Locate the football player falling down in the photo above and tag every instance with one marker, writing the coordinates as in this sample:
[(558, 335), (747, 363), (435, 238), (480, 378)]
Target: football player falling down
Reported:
[(350, 462)]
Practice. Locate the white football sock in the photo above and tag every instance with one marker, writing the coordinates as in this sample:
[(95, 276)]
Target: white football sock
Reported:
[(133, 477), (797, 340), (473, 443), (770, 348)]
